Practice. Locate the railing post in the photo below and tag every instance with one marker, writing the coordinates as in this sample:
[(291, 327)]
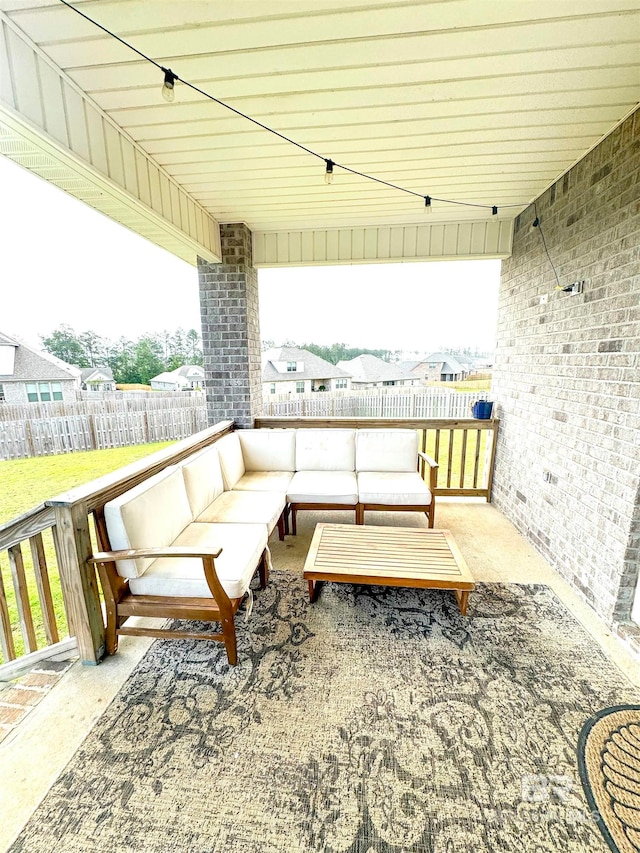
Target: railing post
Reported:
[(79, 583)]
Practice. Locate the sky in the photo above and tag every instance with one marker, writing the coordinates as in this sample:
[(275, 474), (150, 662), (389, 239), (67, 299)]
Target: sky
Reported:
[(63, 262)]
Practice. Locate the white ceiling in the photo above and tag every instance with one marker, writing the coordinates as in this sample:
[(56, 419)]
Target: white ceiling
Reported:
[(485, 102)]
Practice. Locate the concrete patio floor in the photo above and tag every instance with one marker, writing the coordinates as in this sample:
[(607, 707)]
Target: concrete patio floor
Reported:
[(34, 754)]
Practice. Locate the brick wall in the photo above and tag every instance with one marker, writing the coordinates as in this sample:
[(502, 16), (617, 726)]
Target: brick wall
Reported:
[(567, 376), (231, 330)]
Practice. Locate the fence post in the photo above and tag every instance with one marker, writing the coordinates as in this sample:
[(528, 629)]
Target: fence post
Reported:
[(79, 583), (32, 448), (92, 431)]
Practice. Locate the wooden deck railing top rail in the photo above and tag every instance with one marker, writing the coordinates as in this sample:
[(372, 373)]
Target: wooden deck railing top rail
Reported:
[(376, 423)]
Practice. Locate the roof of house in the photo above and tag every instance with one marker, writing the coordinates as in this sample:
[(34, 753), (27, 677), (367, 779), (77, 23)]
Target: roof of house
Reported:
[(89, 374), (33, 366), (450, 363), (181, 375), (408, 365), (370, 368), (314, 366)]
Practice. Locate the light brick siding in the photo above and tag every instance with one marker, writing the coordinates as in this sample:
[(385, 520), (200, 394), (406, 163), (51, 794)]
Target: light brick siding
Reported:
[(567, 376), (231, 330)]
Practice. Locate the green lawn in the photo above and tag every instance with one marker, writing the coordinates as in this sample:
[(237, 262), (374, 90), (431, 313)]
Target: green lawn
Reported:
[(28, 482)]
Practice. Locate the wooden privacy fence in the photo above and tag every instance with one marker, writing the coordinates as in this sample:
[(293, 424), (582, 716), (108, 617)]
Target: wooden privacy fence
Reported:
[(376, 403), (43, 429)]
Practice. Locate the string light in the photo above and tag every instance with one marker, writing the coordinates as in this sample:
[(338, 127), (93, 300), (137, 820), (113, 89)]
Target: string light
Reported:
[(168, 87), (328, 175), (427, 204), (168, 93)]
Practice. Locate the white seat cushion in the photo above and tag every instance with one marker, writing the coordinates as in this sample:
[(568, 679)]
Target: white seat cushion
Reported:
[(394, 488), (386, 450), (202, 479), (150, 515), (231, 461), (246, 507), (242, 546), (325, 449), (264, 481), (324, 487), (268, 449)]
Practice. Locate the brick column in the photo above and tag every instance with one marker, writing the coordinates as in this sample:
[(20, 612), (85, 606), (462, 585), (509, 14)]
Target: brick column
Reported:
[(231, 330)]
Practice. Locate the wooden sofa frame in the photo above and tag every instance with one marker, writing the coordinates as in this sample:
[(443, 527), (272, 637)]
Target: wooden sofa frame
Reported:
[(120, 604), (424, 460)]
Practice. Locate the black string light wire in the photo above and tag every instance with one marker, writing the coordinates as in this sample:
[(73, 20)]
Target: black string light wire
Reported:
[(170, 78), (536, 224)]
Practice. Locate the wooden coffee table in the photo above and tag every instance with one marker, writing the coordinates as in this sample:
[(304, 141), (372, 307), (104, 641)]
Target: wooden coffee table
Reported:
[(388, 556)]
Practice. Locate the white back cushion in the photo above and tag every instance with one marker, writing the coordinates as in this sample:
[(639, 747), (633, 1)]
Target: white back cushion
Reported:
[(386, 450), (203, 479), (150, 515), (325, 449), (268, 449), (231, 461)]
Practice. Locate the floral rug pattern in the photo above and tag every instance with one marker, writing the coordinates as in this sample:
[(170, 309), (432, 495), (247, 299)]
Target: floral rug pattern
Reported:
[(373, 721)]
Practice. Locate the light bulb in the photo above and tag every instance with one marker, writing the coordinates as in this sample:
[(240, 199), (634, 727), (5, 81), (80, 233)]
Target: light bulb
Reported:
[(427, 204), (494, 210), (168, 87), (328, 175)]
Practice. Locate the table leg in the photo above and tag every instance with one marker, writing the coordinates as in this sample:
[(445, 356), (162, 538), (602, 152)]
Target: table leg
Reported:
[(313, 589), (463, 599)]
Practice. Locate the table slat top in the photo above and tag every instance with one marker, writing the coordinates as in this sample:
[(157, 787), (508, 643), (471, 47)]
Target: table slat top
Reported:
[(390, 554)]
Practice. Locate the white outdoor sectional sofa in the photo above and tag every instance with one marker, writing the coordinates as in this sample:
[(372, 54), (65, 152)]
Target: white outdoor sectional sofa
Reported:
[(185, 543)]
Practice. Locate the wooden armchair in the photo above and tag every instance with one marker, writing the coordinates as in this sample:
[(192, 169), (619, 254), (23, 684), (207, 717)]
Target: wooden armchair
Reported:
[(120, 603)]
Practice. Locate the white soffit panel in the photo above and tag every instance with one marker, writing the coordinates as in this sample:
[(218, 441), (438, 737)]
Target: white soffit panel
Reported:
[(432, 242), (49, 126), (480, 103)]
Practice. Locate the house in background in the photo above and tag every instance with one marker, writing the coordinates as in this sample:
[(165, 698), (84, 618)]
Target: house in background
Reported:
[(439, 367), (97, 379), (291, 370), (369, 371), (29, 376), (189, 377)]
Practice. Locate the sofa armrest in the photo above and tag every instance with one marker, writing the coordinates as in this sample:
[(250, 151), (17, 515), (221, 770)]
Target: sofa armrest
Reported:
[(207, 555), (424, 460)]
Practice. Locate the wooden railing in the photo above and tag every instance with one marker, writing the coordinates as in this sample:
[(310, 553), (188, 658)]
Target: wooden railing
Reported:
[(463, 448), (65, 521)]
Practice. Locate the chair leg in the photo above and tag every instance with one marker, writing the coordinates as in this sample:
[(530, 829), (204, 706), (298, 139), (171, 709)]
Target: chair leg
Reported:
[(281, 526), (263, 571), (359, 513), (111, 636), (229, 634), (294, 526)]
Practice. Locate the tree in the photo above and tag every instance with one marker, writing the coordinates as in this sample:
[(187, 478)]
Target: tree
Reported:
[(194, 347), (148, 359), (341, 352), (121, 360), (95, 348), (65, 344)]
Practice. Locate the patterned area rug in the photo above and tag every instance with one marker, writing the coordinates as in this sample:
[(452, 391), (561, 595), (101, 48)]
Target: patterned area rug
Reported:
[(373, 721), (609, 757)]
